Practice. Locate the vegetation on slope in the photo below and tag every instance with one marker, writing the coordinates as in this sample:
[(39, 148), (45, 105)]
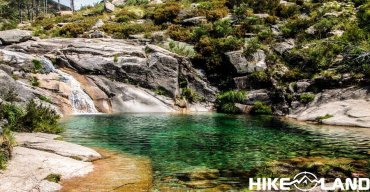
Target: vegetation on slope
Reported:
[(331, 38), (31, 118)]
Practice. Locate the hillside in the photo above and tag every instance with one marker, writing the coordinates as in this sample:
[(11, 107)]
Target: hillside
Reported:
[(264, 57), (9, 11)]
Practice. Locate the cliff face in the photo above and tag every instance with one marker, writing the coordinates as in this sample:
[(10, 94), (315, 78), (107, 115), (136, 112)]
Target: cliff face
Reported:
[(102, 75)]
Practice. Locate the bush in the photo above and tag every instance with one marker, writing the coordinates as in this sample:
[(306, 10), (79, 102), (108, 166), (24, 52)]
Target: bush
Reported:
[(37, 65), (225, 101), (306, 98), (136, 2), (35, 82), (322, 118), (53, 178), (35, 118), (363, 15), (74, 29), (125, 15), (181, 49), (213, 10), (260, 108), (189, 95), (6, 147), (39, 119), (165, 13), (180, 33), (125, 30), (251, 47), (259, 6)]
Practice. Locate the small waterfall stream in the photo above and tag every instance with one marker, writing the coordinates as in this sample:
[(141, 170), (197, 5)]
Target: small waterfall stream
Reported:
[(81, 102)]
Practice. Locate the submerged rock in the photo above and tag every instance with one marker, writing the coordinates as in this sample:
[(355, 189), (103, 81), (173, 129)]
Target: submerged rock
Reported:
[(115, 172), (198, 173)]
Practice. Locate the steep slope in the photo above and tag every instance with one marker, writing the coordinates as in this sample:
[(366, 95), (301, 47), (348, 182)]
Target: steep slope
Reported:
[(101, 75)]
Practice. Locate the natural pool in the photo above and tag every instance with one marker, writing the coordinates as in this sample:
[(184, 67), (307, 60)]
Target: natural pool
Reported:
[(225, 142)]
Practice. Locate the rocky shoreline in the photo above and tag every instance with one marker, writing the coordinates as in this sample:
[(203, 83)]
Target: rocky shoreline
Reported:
[(42, 162), (39, 156)]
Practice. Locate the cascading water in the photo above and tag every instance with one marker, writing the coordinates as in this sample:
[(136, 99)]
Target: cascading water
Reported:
[(81, 102)]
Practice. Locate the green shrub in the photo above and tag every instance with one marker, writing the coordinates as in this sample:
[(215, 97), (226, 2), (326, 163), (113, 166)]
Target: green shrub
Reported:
[(322, 118), (38, 118), (37, 65), (306, 98), (53, 178), (35, 82), (34, 118), (252, 46), (180, 33), (189, 95), (363, 15), (125, 15), (136, 2), (260, 108), (124, 30), (225, 101), (165, 13), (259, 6), (6, 145), (222, 28), (74, 29), (213, 10), (181, 49), (115, 58), (43, 98), (12, 113)]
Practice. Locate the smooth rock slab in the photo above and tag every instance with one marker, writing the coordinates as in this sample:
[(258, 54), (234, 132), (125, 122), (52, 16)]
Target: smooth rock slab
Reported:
[(345, 113), (47, 142), (29, 167), (14, 36)]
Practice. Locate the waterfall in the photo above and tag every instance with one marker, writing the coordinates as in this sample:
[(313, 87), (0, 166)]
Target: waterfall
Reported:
[(81, 102)]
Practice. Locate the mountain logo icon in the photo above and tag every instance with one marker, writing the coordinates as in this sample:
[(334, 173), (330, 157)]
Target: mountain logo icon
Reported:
[(305, 181)]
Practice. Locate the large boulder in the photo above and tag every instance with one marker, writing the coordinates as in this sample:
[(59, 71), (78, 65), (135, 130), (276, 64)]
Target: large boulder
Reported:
[(14, 36), (119, 2), (284, 46), (108, 6), (130, 99), (256, 62), (195, 20), (347, 107)]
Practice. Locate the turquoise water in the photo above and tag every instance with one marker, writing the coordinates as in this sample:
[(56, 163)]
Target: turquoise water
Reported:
[(175, 142)]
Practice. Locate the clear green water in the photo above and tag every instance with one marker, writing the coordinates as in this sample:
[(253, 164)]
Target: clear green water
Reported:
[(175, 142)]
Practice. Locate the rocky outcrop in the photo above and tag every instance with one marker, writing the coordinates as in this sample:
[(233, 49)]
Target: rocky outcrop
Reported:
[(114, 74), (14, 36), (195, 20), (108, 6), (47, 142), (25, 175), (256, 62), (346, 107)]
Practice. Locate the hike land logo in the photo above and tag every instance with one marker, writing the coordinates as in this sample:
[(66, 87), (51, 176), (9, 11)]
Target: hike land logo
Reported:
[(306, 181)]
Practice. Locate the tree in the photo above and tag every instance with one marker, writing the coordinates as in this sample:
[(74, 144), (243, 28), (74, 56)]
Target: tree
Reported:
[(20, 10), (72, 5)]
